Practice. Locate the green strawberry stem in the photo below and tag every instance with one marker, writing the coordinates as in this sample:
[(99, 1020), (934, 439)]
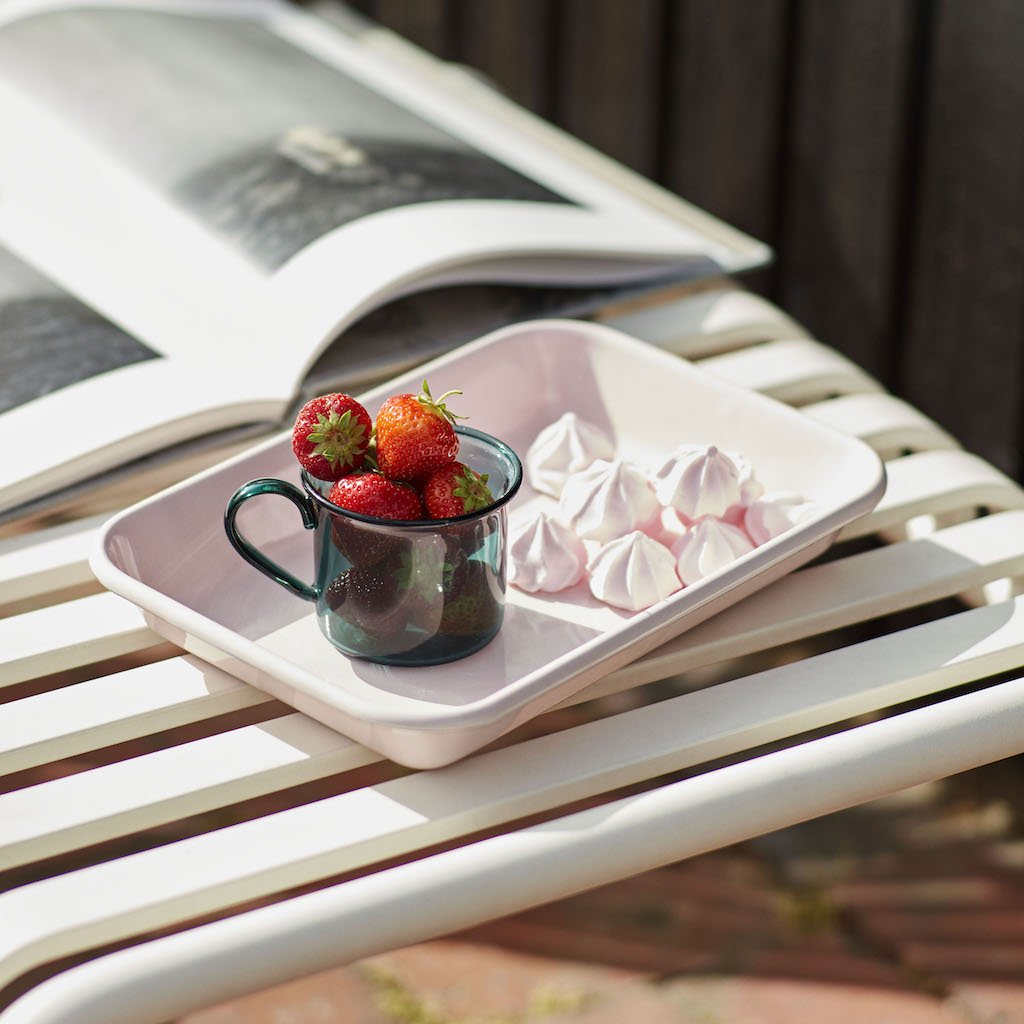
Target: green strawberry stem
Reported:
[(437, 406)]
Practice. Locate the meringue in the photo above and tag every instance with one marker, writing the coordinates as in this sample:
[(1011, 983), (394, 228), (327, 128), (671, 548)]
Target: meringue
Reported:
[(633, 572), (707, 547), (545, 554), (699, 480), (750, 487), (608, 500), (562, 448), (774, 514)]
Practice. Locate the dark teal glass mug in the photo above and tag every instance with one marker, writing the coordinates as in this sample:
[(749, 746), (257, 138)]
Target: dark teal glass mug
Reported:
[(394, 592)]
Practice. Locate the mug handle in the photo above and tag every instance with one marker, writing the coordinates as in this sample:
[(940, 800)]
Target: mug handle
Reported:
[(252, 554)]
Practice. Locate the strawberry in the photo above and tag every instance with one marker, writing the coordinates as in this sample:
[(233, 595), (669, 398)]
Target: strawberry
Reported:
[(371, 494), (370, 600), (362, 545), (475, 611), (455, 569), (331, 436), (415, 435), (454, 490)]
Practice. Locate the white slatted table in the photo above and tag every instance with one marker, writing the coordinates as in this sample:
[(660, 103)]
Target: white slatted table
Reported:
[(171, 837)]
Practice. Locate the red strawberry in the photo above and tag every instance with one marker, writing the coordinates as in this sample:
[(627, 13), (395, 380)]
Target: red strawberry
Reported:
[(331, 436), (362, 544), (368, 599), (415, 436), (455, 570), (371, 494), (475, 611), (454, 490)]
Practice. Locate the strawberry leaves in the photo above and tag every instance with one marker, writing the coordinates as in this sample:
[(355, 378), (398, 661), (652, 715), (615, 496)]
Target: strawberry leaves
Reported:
[(456, 490), (331, 436), (338, 438), (412, 445)]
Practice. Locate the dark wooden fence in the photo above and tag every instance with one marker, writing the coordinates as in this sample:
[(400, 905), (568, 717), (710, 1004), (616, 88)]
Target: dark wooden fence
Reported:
[(878, 145)]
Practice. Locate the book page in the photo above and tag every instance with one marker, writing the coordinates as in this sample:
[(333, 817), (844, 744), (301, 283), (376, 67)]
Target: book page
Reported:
[(50, 339), (262, 142), (225, 186), (417, 327), (339, 177)]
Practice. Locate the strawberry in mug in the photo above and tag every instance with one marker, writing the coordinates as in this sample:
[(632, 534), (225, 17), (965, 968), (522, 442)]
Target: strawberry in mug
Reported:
[(410, 517)]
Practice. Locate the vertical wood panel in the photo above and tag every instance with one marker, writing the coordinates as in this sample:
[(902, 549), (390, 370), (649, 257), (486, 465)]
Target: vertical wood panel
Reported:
[(877, 144), (964, 357), (608, 67), (849, 138), (423, 22), (721, 116), (510, 42)]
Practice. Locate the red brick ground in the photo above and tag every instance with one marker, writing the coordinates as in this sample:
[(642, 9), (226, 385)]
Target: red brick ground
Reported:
[(905, 911)]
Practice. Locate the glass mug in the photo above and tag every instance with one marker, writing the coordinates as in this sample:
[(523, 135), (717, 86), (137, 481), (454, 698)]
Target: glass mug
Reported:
[(395, 592)]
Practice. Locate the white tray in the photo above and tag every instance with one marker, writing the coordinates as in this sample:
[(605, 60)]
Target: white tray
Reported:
[(170, 555)]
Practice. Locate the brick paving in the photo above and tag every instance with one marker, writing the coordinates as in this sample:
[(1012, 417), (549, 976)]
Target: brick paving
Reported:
[(908, 910)]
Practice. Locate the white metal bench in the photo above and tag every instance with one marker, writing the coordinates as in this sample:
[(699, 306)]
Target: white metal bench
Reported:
[(171, 837)]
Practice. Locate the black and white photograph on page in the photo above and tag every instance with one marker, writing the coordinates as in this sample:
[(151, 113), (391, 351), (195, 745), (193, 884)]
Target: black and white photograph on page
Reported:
[(49, 339), (265, 144)]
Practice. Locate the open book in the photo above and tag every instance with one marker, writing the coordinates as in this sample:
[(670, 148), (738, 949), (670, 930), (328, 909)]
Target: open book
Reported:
[(198, 197)]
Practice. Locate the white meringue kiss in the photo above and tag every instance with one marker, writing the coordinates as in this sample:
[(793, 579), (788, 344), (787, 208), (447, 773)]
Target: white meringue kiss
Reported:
[(608, 500), (708, 546), (774, 513), (667, 527), (750, 487), (633, 572), (562, 448), (544, 554), (698, 480)]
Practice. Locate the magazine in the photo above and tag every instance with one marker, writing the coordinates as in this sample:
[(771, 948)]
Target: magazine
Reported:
[(200, 198)]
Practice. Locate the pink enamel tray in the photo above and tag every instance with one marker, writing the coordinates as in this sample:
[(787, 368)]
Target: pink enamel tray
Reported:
[(170, 556)]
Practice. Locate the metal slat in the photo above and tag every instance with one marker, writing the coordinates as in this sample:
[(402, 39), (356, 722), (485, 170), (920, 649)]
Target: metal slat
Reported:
[(55, 917), (465, 886), (70, 635), (891, 426), (933, 483), (154, 789), (707, 323), (797, 371), (811, 601), (457, 889), (401, 816), (111, 709), (838, 594), (46, 562)]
